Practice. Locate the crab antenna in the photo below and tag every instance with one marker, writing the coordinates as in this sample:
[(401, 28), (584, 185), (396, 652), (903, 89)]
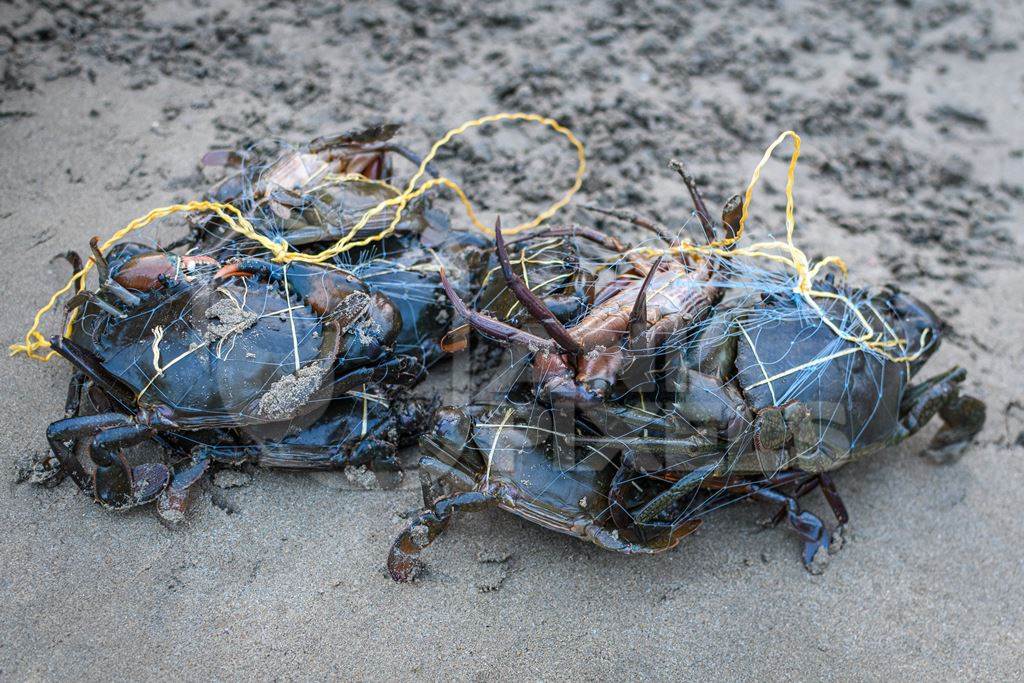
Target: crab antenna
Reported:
[(536, 308), (698, 202), (491, 327)]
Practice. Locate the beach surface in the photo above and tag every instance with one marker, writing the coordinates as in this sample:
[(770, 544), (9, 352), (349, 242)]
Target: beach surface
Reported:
[(912, 170)]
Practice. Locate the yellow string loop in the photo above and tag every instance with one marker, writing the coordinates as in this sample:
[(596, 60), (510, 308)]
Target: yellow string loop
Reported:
[(35, 341), (415, 189), (788, 254), (281, 252)]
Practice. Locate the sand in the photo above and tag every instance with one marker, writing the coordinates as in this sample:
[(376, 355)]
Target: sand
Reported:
[(913, 171)]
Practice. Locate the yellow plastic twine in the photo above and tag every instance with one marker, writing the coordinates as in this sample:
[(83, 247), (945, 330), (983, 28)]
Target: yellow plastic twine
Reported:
[(281, 251), (35, 341), (792, 256), (786, 252)]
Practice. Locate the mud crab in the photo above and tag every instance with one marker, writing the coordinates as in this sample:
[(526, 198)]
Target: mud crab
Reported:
[(311, 197), (197, 356), (314, 194), (186, 349), (158, 342), (665, 402)]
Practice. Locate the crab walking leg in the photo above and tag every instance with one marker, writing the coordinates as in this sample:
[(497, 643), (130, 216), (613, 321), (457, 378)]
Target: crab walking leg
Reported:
[(376, 449), (807, 525), (703, 215), (75, 387), (113, 482), (629, 216), (541, 313), (607, 539), (73, 258), (962, 416), (802, 488), (117, 485), (828, 489), (574, 230), (64, 434), (84, 361), (334, 231), (924, 401), (400, 370), (174, 502), (683, 486), (50, 470), (410, 156), (352, 150), (503, 332), (369, 451), (403, 560)]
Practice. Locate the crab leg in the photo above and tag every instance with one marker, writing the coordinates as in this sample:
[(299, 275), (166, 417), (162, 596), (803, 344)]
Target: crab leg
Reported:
[(113, 483), (574, 230), (530, 301), (87, 363), (698, 201), (802, 489), (636, 219), (731, 214), (111, 285), (116, 484), (493, 328), (807, 525), (74, 259), (409, 155), (403, 561), (638, 316), (75, 387), (88, 296), (609, 540), (828, 489), (70, 430), (397, 371), (102, 269), (686, 484), (173, 504)]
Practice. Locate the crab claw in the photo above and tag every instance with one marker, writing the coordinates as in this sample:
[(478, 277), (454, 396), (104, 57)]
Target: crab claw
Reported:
[(147, 272), (143, 485), (231, 270)]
